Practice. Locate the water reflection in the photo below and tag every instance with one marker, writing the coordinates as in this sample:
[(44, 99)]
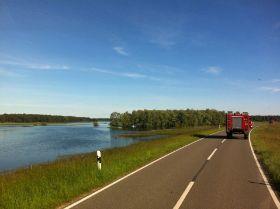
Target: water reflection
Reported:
[(21, 146)]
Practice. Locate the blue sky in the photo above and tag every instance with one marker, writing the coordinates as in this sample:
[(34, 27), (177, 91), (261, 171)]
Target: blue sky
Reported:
[(90, 58)]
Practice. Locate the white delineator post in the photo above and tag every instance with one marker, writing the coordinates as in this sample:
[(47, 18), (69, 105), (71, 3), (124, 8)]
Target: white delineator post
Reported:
[(98, 154)]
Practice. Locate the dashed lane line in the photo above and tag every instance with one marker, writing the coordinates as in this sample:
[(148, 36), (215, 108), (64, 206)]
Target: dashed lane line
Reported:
[(210, 156), (190, 185), (145, 166), (183, 196)]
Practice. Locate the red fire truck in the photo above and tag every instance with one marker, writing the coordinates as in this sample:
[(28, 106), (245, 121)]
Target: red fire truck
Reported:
[(238, 123)]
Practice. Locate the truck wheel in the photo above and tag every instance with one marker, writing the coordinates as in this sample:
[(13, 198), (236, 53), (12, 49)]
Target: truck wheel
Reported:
[(245, 136), (229, 135)]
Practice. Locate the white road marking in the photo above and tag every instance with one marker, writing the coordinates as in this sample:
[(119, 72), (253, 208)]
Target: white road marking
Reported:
[(210, 156), (183, 196), (223, 141), (117, 181), (276, 201)]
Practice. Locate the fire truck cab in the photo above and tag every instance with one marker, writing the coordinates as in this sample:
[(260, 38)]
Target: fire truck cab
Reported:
[(238, 123)]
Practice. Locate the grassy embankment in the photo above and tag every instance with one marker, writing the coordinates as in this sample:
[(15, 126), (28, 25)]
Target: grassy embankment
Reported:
[(39, 123), (26, 123), (164, 132), (266, 143), (50, 185), (18, 123)]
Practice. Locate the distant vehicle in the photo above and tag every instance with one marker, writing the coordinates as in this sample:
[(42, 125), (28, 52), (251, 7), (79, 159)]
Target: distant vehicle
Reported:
[(238, 123)]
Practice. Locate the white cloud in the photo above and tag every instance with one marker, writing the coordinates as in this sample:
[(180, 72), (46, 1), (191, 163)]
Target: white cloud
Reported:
[(271, 89), (125, 74), (120, 50), (101, 70), (164, 37), (163, 40), (276, 25), (48, 67), (134, 75), (164, 30), (275, 81), (31, 65), (6, 73), (214, 70), (156, 68)]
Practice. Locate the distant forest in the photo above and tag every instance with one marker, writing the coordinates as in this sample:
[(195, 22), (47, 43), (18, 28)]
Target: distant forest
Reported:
[(261, 118), (32, 118), (140, 119), (161, 119)]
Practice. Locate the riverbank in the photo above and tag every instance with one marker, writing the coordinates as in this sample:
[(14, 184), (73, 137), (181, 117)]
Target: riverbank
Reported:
[(40, 123), (163, 132), (29, 124), (51, 185), (266, 143)]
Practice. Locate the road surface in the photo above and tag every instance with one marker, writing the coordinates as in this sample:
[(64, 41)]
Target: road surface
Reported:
[(212, 173)]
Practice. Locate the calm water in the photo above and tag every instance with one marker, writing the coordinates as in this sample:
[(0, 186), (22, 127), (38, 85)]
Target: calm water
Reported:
[(21, 146)]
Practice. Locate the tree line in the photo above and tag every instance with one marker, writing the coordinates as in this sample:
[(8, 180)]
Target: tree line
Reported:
[(29, 118), (262, 118), (162, 119)]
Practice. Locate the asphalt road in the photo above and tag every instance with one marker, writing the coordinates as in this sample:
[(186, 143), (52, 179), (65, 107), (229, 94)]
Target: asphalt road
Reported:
[(212, 173)]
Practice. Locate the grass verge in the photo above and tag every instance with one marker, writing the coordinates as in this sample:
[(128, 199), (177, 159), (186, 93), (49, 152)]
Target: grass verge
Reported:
[(40, 123), (51, 185), (266, 143), (163, 132)]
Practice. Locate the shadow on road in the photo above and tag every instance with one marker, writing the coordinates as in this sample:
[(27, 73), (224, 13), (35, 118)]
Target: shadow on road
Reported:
[(210, 136), (254, 182), (236, 137)]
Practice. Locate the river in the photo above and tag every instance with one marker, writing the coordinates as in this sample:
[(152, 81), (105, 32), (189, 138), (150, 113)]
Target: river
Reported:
[(21, 146)]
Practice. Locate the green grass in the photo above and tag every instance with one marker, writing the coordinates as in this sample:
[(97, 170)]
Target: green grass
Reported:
[(16, 123), (266, 143), (164, 132), (51, 185), (39, 123), (26, 123)]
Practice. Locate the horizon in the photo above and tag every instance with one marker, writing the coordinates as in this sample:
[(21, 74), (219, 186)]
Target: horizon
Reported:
[(123, 112), (90, 58)]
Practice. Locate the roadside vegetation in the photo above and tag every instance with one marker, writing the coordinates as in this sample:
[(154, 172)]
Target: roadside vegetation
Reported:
[(166, 119), (50, 185), (43, 119), (266, 142), (163, 132), (263, 118)]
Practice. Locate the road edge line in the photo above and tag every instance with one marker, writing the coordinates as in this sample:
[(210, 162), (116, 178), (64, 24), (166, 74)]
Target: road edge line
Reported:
[(268, 186), (126, 176)]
